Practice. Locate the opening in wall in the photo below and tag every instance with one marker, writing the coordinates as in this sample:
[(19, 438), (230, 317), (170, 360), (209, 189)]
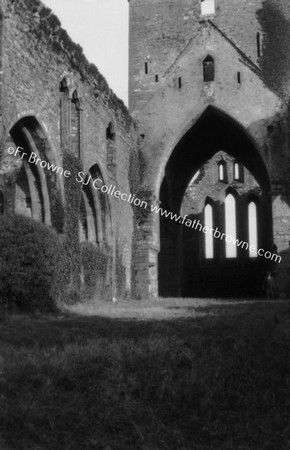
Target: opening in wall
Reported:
[(207, 7), (208, 221), (75, 128), (258, 37), (208, 69), (253, 230), (222, 171), (238, 172), (231, 226), (146, 68)]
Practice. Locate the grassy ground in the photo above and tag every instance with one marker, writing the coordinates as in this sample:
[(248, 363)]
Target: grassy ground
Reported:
[(213, 375)]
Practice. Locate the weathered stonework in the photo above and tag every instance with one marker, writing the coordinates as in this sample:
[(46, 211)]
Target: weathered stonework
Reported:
[(198, 85), (186, 120), (49, 86)]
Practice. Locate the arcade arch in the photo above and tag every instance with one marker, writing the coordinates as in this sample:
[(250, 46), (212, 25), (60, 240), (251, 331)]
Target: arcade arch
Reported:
[(183, 269)]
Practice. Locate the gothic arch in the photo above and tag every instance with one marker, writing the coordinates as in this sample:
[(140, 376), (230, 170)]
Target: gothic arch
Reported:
[(102, 203), (197, 146), (89, 217), (75, 128), (254, 156), (41, 187)]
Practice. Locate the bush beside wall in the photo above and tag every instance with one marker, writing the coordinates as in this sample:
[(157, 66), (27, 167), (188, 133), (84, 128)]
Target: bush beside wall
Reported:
[(29, 264)]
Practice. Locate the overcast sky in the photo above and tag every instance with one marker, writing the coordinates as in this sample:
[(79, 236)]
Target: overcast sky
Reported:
[(101, 28)]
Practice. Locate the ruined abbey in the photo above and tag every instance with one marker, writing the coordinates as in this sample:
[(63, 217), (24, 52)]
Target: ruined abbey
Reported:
[(206, 138)]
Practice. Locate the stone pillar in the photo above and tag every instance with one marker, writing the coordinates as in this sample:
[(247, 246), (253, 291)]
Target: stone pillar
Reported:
[(145, 255), (146, 273), (281, 216), (281, 232), (283, 274)]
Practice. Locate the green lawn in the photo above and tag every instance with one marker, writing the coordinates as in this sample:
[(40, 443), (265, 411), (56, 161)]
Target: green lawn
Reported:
[(217, 379)]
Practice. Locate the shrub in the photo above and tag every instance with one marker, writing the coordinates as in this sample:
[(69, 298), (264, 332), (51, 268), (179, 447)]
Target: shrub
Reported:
[(95, 264), (29, 264)]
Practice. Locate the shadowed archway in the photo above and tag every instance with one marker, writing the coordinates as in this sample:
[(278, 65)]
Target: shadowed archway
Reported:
[(35, 191), (213, 132)]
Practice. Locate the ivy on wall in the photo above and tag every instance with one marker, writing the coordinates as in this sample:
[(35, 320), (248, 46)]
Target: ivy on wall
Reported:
[(95, 266), (70, 258)]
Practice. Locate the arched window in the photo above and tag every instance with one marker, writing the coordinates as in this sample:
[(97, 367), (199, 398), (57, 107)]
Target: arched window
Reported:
[(238, 172), (64, 114), (253, 229), (208, 221), (76, 125), (111, 149), (231, 226), (222, 171), (208, 69), (207, 7), (88, 230)]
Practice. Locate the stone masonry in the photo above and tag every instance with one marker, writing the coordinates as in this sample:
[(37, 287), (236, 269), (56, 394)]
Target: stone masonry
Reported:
[(199, 86)]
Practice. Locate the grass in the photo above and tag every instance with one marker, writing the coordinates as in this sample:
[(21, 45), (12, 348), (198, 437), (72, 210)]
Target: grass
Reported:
[(218, 379)]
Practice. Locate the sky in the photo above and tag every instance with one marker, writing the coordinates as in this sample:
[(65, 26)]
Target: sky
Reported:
[(101, 28)]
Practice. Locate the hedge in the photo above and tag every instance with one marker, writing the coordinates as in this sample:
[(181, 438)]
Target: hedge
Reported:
[(29, 264)]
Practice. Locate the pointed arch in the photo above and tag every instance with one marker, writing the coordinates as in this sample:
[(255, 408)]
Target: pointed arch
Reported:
[(76, 126), (35, 188), (225, 129), (194, 149), (103, 212), (64, 114), (88, 222)]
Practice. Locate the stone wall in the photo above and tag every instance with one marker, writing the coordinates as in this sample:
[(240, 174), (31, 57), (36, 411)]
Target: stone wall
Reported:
[(37, 55), (174, 40)]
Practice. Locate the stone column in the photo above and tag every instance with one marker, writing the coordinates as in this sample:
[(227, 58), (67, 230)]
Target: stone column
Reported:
[(145, 254), (281, 232)]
